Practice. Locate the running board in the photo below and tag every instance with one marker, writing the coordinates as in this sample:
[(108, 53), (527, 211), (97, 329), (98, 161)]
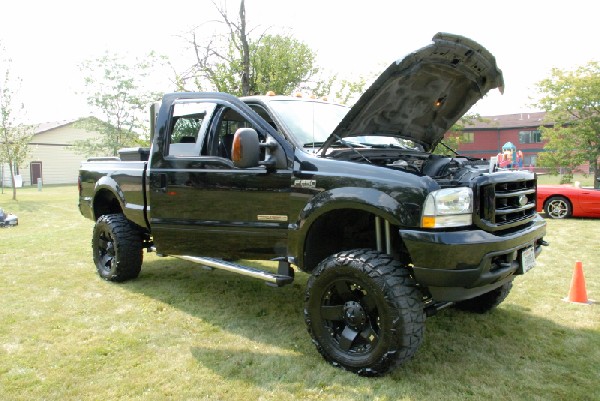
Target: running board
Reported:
[(285, 274)]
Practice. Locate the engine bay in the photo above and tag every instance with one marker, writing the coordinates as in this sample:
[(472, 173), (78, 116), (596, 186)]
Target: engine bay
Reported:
[(446, 170)]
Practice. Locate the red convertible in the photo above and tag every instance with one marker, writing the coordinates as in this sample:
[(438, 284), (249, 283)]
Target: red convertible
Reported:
[(560, 201)]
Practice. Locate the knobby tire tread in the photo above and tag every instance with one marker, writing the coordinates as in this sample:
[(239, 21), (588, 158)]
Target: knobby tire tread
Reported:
[(401, 296), (128, 248)]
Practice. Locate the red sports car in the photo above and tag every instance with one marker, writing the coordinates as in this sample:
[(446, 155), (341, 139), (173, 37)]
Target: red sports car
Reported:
[(560, 201)]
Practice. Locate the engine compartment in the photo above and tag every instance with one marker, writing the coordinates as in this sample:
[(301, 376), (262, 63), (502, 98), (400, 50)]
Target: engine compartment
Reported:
[(446, 170)]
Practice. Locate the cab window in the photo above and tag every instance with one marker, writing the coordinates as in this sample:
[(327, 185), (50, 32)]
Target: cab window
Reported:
[(219, 139), (185, 133)]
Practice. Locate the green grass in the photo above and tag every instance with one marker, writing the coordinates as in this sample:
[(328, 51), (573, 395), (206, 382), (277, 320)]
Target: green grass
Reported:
[(548, 179), (179, 332)]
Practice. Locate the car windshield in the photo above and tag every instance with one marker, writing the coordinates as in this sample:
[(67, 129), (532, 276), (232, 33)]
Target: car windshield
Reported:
[(311, 123)]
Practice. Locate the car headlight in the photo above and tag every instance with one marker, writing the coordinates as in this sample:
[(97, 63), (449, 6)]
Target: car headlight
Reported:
[(448, 207)]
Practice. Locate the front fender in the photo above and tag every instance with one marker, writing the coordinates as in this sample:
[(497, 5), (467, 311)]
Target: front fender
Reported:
[(404, 213), (368, 199)]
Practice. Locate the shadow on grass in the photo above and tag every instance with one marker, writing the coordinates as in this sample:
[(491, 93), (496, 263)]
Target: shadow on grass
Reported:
[(507, 354)]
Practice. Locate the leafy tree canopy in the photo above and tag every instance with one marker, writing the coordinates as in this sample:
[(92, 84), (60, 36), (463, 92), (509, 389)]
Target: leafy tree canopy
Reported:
[(14, 135), (241, 62), (118, 100), (571, 100)]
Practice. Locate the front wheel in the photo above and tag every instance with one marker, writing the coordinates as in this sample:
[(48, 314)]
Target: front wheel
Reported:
[(364, 312), (117, 248), (558, 207)]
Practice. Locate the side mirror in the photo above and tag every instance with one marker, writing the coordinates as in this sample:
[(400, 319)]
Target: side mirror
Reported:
[(274, 155), (245, 151)]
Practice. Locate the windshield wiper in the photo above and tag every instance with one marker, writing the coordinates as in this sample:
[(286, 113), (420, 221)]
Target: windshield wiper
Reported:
[(338, 142), (353, 146), (313, 144), (458, 154), (383, 145)]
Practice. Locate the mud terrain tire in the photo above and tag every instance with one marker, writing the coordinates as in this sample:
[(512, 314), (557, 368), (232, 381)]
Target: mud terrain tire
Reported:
[(364, 312), (117, 248)]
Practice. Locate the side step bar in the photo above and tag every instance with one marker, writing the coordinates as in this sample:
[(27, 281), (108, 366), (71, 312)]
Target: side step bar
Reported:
[(284, 275)]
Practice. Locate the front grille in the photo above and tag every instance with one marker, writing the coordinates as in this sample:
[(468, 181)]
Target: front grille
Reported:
[(507, 204)]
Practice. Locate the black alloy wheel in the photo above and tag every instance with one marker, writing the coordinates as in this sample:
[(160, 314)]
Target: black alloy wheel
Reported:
[(364, 312), (117, 248)]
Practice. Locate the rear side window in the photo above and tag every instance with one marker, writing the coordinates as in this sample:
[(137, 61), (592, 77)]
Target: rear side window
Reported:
[(187, 124)]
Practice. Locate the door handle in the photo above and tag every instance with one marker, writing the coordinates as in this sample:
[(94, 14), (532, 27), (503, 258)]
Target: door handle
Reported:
[(159, 182)]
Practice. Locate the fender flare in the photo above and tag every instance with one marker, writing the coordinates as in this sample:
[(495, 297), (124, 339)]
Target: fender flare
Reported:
[(369, 200), (107, 183)]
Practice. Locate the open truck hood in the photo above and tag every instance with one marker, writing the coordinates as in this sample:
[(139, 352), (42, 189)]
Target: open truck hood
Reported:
[(421, 96)]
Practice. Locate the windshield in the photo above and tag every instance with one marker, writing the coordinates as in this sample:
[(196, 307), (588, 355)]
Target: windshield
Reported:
[(309, 122), (312, 122)]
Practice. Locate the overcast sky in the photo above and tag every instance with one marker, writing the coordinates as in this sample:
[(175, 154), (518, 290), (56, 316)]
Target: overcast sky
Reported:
[(47, 40)]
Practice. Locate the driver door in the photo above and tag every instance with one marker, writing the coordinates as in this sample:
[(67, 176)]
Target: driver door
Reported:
[(204, 206)]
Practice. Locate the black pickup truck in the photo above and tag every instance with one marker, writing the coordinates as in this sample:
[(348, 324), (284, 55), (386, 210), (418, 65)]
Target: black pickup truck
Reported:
[(389, 232)]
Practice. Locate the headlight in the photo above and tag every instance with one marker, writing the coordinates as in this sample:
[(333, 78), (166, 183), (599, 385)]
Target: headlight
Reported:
[(448, 207)]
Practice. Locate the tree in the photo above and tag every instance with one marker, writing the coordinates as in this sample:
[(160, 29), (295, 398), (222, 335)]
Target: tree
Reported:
[(235, 62), (14, 136), (280, 64), (115, 91), (241, 63), (455, 135), (571, 100)]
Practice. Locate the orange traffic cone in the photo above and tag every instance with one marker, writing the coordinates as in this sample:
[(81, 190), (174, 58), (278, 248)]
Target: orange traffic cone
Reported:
[(577, 293)]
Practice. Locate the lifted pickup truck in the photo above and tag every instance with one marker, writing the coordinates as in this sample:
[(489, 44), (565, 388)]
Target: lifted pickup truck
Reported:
[(389, 232)]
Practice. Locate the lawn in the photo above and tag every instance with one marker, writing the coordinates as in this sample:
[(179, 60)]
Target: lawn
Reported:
[(179, 332), (549, 179)]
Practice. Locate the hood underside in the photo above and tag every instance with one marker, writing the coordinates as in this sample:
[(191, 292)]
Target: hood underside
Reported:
[(421, 96)]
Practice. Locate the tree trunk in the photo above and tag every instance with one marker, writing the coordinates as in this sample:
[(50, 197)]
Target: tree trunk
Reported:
[(12, 179), (245, 52), (594, 170)]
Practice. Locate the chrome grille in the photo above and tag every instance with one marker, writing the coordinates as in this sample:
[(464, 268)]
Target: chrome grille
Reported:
[(507, 204)]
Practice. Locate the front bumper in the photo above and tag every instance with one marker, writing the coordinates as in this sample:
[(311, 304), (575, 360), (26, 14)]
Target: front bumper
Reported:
[(457, 265)]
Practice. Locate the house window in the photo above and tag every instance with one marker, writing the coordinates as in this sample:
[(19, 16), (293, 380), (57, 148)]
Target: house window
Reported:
[(530, 160), (530, 136), (467, 137)]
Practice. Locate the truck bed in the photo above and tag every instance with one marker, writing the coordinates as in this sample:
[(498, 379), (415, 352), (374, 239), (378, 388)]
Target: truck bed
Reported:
[(125, 178)]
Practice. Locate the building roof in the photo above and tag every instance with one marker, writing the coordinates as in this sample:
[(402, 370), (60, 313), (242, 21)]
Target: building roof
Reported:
[(43, 127), (518, 120)]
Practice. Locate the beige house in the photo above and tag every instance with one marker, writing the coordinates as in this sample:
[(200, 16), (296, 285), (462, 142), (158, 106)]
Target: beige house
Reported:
[(51, 157)]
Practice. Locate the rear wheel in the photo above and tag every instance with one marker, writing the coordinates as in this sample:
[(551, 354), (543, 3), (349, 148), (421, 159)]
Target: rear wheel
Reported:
[(117, 248), (364, 312), (488, 301), (558, 207)]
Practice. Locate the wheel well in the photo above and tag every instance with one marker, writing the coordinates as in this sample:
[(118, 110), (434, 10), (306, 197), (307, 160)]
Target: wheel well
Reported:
[(105, 202), (341, 230)]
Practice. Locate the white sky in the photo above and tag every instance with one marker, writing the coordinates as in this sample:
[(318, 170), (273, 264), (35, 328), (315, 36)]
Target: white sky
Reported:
[(47, 40)]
